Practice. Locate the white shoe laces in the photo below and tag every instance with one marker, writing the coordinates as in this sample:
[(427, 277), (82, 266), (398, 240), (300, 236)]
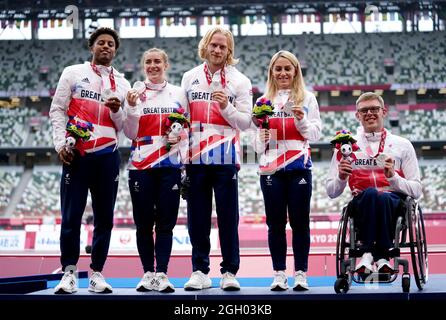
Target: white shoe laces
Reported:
[(301, 276), (229, 275), (280, 276), (198, 276)]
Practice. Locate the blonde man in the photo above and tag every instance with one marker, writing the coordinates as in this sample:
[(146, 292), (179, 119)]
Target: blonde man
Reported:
[(220, 100)]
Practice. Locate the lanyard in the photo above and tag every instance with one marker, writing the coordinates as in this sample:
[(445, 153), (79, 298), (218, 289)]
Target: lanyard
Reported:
[(111, 76), (155, 86), (368, 149), (207, 72)]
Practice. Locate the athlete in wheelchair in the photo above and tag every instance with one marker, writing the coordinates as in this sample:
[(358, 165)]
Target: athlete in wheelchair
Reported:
[(382, 172)]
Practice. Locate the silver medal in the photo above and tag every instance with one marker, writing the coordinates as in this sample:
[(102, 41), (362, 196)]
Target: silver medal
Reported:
[(215, 85), (139, 86), (381, 160), (106, 94)]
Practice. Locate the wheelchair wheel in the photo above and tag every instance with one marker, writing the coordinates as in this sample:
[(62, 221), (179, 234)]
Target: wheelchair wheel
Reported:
[(418, 246), (341, 245), (341, 285)]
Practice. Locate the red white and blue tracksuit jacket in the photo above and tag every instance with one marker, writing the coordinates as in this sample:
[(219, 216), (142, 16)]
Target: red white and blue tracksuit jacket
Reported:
[(78, 98), (145, 125), (214, 132), (366, 172), (289, 147)]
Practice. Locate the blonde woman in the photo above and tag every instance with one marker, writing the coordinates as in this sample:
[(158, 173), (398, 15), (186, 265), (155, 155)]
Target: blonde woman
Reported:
[(285, 165)]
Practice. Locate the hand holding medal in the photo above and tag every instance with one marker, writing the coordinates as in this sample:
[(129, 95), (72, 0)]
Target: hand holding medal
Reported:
[(137, 93), (110, 100), (386, 162), (381, 159), (139, 87)]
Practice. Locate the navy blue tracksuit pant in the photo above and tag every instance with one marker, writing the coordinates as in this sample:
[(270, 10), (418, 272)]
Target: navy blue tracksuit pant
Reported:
[(98, 173), (156, 198), (375, 215), (223, 180), (288, 191)]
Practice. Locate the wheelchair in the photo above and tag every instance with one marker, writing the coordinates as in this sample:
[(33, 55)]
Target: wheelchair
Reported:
[(409, 237)]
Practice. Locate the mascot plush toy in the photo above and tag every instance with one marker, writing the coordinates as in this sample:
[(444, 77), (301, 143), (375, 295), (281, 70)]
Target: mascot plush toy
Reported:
[(174, 124), (174, 132), (346, 145)]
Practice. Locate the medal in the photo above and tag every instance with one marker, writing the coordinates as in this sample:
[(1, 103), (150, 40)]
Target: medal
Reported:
[(107, 94), (139, 86), (215, 85), (381, 160)]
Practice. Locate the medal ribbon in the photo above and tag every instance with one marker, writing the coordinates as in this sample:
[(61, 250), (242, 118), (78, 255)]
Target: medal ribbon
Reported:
[(368, 149), (111, 76), (207, 72)]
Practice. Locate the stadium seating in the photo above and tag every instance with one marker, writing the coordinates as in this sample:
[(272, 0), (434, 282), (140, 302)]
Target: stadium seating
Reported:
[(41, 196), (9, 178), (14, 128), (337, 59)]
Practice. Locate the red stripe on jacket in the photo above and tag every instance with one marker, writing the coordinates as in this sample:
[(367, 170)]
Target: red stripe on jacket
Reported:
[(280, 160), (199, 113), (88, 110), (150, 125), (365, 178), (287, 131)]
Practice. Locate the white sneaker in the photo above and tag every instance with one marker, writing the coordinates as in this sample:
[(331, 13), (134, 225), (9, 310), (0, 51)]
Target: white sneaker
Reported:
[(384, 266), (162, 283), (97, 284), (365, 265), (228, 282), (280, 282), (300, 281), (67, 285), (198, 281), (147, 282)]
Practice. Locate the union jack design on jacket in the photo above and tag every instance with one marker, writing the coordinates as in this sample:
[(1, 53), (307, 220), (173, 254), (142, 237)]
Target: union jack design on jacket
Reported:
[(289, 147), (78, 99), (214, 132), (367, 172), (145, 125)]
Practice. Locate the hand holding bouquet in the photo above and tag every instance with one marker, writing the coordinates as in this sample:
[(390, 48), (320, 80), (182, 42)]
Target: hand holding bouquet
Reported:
[(174, 124)]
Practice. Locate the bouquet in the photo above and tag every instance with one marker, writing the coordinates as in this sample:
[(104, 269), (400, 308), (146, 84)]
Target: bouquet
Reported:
[(261, 111), (174, 124), (76, 131), (346, 144)]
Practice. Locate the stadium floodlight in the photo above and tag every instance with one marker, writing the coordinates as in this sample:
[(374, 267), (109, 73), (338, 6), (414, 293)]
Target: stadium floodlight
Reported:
[(335, 93), (400, 92), (356, 93), (421, 91)]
